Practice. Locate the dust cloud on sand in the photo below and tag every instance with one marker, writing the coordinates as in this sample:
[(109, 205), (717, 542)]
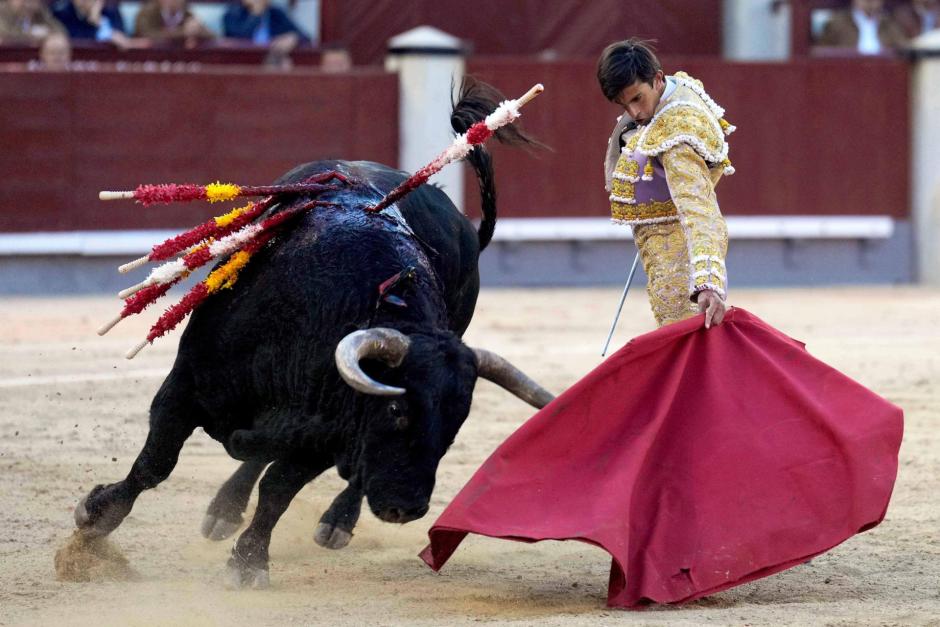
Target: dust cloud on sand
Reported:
[(73, 413), (91, 559)]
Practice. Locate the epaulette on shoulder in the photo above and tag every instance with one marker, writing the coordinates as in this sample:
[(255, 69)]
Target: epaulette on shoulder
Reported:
[(684, 122), (698, 88)]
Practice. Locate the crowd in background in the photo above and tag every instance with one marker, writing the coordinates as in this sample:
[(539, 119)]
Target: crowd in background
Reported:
[(868, 27), (54, 25), (871, 27)]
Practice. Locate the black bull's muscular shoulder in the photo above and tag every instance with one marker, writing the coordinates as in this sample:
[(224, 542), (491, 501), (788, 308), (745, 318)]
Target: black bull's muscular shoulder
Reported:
[(339, 345), (270, 343)]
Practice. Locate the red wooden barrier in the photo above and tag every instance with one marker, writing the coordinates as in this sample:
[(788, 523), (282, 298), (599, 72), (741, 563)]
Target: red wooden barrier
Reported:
[(563, 28), (67, 136), (814, 136)]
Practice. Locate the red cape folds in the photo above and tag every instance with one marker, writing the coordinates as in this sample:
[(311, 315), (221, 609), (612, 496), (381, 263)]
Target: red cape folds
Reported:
[(698, 459)]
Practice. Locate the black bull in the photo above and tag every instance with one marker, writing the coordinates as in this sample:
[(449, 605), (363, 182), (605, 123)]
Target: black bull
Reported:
[(305, 364)]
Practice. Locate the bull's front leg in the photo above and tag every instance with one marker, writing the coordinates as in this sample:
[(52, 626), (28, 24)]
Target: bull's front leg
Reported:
[(337, 523), (224, 515), (172, 419), (248, 566)]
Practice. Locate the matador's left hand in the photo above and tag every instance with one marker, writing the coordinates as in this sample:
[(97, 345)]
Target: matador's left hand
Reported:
[(714, 308)]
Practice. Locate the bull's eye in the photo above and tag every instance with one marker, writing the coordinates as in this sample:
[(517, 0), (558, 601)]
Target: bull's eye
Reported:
[(397, 412)]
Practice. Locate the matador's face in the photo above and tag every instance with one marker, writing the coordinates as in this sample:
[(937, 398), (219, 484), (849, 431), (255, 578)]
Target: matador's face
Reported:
[(640, 99)]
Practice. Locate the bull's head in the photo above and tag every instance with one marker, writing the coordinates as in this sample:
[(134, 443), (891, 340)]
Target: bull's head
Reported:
[(429, 380)]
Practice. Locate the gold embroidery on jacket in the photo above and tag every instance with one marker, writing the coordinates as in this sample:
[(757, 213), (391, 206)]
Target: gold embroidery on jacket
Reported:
[(684, 123), (659, 211), (629, 168), (693, 193), (665, 255), (623, 204)]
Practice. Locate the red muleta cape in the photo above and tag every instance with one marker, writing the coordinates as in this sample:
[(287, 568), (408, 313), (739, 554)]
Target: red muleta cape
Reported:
[(699, 459)]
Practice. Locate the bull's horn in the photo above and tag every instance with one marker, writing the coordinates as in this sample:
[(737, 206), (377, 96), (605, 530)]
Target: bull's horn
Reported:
[(389, 345), (498, 370)]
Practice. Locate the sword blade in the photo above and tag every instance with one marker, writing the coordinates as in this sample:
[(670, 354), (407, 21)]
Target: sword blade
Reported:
[(623, 297)]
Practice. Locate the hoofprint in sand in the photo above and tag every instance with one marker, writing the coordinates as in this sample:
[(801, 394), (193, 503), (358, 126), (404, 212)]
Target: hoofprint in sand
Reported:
[(73, 412)]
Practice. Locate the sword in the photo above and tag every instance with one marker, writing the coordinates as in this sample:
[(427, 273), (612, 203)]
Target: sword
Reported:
[(623, 297)]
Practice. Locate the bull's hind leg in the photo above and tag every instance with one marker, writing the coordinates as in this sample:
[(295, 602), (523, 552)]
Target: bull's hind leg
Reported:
[(172, 419), (248, 566), (224, 515), (337, 523)]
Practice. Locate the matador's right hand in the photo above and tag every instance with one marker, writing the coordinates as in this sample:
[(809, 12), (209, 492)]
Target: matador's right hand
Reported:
[(714, 308)]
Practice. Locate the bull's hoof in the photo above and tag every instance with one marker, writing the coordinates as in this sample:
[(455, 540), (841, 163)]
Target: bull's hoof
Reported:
[(222, 519), (96, 517), (240, 576), (82, 519), (217, 528), (331, 537)]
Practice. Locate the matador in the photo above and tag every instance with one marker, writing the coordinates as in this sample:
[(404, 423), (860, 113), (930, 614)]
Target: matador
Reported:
[(687, 503), (664, 158)]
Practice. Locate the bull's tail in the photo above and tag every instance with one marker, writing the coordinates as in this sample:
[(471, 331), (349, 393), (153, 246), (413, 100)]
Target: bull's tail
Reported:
[(475, 101)]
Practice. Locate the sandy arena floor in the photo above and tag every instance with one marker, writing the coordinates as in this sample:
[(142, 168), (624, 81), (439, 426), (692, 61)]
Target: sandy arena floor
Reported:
[(73, 414)]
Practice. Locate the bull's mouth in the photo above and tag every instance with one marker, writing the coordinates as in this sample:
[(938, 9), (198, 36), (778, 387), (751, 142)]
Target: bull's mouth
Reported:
[(401, 515)]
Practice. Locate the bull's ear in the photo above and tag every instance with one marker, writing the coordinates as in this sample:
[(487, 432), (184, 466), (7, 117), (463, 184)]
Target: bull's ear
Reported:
[(497, 369), (387, 345)]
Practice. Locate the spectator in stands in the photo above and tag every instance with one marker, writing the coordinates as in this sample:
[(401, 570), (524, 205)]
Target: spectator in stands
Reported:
[(918, 16), (335, 60), (92, 20), (26, 22), (55, 54), (261, 23), (864, 27), (170, 21)]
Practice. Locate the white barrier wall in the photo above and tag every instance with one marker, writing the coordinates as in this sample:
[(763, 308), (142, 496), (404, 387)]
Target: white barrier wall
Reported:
[(756, 30), (925, 157), (427, 61)]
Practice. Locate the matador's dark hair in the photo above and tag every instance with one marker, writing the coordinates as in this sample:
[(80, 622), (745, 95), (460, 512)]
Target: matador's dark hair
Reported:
[(625, 62)]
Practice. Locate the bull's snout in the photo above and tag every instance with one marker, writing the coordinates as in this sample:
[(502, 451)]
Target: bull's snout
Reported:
[(401, 515)]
